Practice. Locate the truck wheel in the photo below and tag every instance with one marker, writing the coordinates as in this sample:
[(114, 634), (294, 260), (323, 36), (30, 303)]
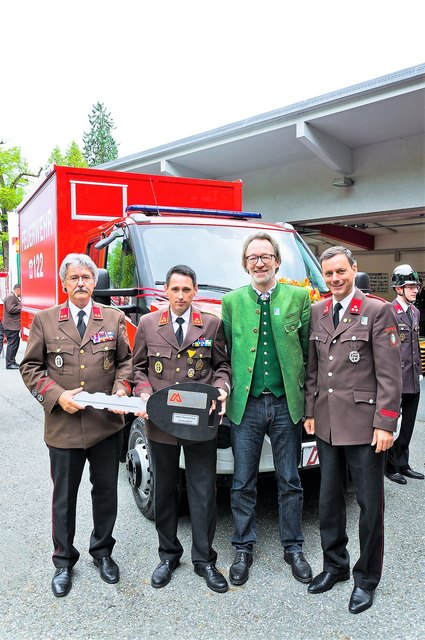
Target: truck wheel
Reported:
[(139, 469)]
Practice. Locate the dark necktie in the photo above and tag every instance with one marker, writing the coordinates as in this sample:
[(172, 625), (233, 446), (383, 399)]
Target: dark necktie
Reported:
[(335, 316), (410, 315), (179, 332), (81, 325)]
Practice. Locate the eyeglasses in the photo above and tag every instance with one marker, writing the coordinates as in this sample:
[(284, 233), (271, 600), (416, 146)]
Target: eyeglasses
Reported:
[(266, 258), (413, 287), (84, 278)]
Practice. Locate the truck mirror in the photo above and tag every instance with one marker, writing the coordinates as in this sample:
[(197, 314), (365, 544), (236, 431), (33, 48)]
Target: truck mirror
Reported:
[(103, 282)]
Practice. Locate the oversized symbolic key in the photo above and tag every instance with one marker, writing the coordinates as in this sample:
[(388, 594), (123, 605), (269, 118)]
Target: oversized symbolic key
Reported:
[(100, 400)]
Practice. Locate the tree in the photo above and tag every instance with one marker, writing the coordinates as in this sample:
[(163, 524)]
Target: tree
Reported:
[(14, 174), (99, 145), (73, 157)]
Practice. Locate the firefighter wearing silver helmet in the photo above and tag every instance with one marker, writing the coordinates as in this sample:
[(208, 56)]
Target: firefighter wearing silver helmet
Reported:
[(404, 274), (407, 284)]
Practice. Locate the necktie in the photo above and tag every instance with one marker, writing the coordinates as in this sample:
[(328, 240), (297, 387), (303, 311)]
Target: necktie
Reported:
[(179, 332), (335, 316), (81, 325), (410, 314)]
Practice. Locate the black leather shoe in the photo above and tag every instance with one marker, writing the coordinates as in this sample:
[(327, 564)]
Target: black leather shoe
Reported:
[(301, 570), (361, 599), (409, 473), (13, 366), (163, 572), (396, 477), (239, 570), (109, 570), (62, 581), (325, 581), (214, 579)]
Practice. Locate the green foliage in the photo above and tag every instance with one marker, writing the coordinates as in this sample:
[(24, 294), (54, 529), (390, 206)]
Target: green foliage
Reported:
[(99, 145), (14, 174), (73, 157), (56, 157)]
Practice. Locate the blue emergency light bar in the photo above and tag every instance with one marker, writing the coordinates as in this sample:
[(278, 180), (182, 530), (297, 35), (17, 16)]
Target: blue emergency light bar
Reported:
[(156, 211)]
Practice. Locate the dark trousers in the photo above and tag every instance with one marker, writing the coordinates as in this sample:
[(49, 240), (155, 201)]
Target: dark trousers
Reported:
[(367, 473), (1, 337), (398, 455), (13, 341), (66, 467), (200, 462)]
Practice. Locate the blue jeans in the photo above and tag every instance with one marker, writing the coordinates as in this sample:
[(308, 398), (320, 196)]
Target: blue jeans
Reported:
[(266, 415)]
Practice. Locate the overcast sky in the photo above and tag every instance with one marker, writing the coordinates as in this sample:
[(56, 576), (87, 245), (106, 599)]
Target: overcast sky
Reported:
[(167, 70)]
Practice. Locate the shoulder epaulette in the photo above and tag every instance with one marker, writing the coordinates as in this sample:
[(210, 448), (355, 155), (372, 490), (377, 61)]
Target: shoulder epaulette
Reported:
[(371, 295)]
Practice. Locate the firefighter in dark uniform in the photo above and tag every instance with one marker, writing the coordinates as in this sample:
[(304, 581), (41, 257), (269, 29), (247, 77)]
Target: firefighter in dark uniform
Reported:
[(407, 284), (181, 344), (353, 389), (74, 346)]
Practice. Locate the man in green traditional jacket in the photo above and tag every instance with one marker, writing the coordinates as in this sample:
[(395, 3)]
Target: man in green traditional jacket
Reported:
[(266, 326)]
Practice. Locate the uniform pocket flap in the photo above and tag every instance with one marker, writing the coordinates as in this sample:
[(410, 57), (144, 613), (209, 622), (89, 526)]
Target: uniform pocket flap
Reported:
[(364, 395), (59, 346), (319, 337), (110, 345), (159, 351), (354, 336), (292, 326)]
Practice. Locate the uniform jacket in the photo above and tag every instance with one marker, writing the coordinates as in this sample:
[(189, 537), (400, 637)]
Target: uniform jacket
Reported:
[(159, 361), (12, 312), (57, 359), (290, 318), (353, 382), (408, 332)]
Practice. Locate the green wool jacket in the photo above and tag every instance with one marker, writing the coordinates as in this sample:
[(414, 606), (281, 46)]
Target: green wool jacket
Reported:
[(290, 320)]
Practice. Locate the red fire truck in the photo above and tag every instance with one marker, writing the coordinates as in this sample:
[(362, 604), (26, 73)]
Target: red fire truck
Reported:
[(135, 227)]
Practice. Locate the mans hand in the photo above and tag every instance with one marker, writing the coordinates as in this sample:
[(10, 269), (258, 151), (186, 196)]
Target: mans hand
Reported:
[(309, 426), (120, 393), (382, 439), (222, 397), (143, 414), (67, 402)]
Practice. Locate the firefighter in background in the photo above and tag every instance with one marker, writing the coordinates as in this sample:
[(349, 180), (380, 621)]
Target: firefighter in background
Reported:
[(12, 325), (407, 284)]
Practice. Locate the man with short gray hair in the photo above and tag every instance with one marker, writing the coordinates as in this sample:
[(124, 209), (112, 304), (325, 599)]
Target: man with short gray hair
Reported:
[(74, 346)]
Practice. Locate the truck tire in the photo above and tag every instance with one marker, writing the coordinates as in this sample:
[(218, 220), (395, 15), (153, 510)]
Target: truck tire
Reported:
[(140, 470)]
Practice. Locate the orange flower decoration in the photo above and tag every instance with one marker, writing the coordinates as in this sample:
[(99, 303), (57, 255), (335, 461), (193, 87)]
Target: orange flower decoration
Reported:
[(312, 292)]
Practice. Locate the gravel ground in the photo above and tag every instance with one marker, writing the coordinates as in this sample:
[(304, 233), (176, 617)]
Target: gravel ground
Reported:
[(271, 605)]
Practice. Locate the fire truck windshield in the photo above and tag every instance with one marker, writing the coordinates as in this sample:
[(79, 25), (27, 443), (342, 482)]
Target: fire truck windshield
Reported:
[(214, 252)]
